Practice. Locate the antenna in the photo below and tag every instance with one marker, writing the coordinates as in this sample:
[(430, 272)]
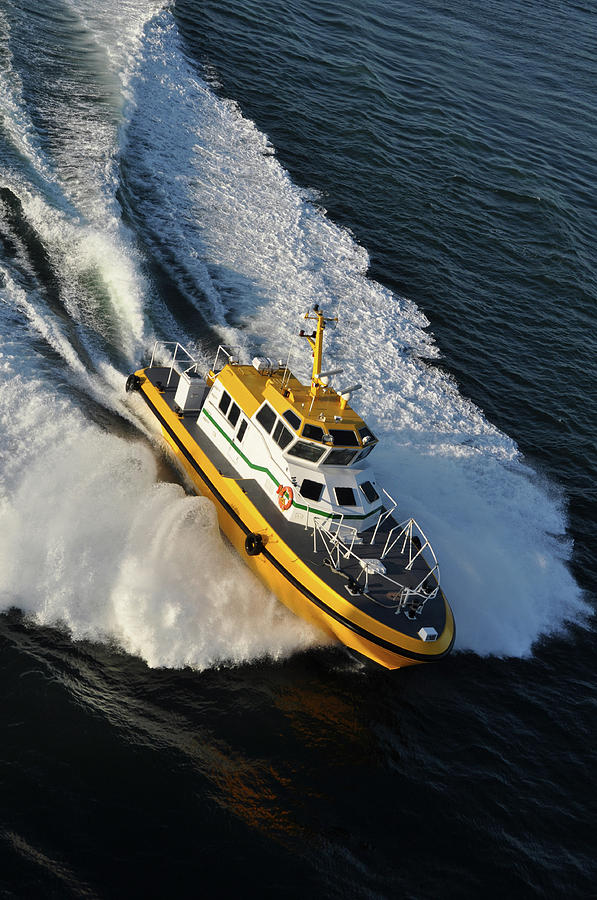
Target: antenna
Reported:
[(286, 375)]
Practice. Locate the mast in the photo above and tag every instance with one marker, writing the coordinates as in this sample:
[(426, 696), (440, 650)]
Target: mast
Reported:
[(316, 341)]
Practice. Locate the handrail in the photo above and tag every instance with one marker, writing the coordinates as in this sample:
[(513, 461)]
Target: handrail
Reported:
[(410, 599), (384, 514), (174, 357), (228, 351), (405, 529)]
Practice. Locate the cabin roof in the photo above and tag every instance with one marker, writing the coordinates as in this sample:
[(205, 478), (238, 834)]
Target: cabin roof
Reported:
[(283, 391)]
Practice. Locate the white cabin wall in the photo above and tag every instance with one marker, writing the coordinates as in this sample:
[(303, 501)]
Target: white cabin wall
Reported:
[(260, 449)]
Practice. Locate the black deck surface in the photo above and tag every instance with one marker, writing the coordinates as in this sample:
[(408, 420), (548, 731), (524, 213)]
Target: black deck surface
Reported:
[(376, 601)]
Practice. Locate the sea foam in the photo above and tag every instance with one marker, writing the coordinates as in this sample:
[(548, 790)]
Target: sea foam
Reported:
[(92, 542), (91, 538), (270, 251)]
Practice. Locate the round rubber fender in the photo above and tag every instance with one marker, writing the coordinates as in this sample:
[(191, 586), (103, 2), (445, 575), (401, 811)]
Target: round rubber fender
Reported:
[(133, 383), (253, 544)]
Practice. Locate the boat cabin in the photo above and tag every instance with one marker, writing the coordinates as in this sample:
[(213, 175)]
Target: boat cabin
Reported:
[(304, 444)]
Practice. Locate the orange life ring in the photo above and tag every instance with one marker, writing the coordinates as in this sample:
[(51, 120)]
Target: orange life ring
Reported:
[(285, 497)]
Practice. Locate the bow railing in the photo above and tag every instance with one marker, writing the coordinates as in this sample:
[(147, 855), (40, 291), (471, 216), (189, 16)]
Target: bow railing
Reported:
[(339, 541)]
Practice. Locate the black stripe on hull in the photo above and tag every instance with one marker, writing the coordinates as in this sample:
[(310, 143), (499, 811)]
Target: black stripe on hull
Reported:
[(313, 598)]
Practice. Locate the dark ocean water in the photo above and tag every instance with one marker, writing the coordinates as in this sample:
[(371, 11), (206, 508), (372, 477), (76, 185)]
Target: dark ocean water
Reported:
[(203, 171)]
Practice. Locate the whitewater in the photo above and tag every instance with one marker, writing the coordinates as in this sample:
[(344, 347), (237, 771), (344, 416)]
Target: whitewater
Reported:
[(98, 534)]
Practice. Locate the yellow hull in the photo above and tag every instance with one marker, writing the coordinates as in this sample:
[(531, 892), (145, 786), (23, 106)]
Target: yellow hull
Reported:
[(278, 566)]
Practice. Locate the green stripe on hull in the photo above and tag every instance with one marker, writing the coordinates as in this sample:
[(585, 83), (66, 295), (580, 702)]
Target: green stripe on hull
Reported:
[(257, 468)]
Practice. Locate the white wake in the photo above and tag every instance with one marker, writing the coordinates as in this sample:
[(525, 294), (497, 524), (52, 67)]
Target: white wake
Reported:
[(90, 538)]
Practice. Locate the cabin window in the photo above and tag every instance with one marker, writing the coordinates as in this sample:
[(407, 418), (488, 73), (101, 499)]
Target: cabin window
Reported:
[(266, 418), (344, 437), (294, 420), (306, 451), (365, 452), (241, 431), (311, 490), (340, 457), (224, 402), (369, 491), (281, 435), (366, 433), (313, 432), (345, 496), (234, 414)]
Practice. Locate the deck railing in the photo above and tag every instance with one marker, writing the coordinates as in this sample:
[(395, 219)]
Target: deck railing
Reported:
[(231, 353), (179, 355), (339, 541)]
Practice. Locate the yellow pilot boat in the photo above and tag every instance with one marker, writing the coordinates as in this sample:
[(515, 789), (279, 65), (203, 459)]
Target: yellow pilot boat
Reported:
[(287, 467)]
